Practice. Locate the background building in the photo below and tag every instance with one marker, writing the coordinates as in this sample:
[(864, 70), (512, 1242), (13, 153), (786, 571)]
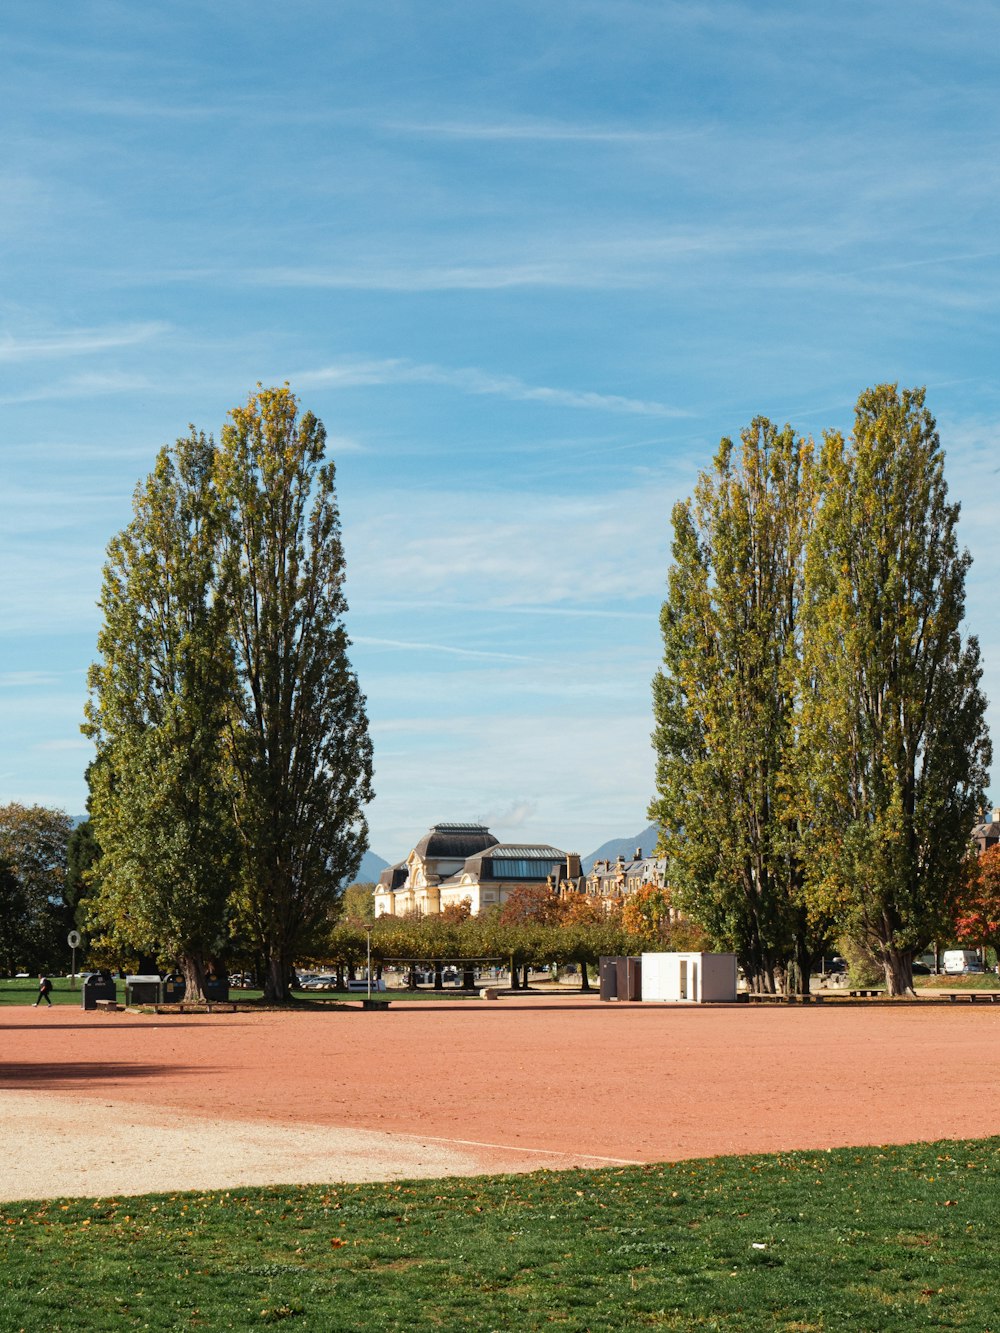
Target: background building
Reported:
[(456, 863)]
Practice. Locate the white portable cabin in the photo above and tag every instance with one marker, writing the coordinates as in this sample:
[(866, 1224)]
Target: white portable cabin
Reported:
[(691, 978)]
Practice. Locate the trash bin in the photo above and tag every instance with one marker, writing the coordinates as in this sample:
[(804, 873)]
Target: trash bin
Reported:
[(97, 986), (216, 988), (143, 990), (174, 989)]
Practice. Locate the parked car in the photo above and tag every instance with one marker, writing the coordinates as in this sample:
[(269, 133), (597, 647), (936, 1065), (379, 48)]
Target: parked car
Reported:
[(361, 984)]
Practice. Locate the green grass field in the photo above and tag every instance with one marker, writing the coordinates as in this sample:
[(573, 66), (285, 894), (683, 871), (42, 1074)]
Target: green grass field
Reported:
[(974, 981), (876, 1239), (25, 991)]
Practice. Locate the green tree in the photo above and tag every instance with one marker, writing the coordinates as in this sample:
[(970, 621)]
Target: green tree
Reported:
[(82, 855), (34, 918), (724, 702), (358, 903), (160, 802), (301, 754), (898, 750)]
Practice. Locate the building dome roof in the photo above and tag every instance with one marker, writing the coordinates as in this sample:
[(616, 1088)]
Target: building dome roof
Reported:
[(454, 842)]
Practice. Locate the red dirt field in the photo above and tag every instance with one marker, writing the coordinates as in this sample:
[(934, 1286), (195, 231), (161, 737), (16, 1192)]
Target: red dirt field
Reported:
[(533, 1081)]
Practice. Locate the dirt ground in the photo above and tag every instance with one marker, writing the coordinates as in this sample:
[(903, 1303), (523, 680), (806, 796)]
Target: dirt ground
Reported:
[(110, 1104)]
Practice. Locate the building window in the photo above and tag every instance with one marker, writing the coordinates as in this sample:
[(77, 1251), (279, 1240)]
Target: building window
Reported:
[(521, 869)]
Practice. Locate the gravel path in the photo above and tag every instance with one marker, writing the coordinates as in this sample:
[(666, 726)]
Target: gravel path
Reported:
[(56, 1146)]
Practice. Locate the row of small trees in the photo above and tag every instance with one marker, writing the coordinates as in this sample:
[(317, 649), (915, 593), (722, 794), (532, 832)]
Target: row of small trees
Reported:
[(233, 759), (533, 927), (821, 744)]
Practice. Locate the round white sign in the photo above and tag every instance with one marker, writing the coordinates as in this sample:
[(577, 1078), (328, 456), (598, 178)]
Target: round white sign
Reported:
[(73, 939)]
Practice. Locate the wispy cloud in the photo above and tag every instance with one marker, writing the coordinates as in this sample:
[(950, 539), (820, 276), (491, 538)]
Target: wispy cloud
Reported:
[(409, 645), (96, 385), (515, 815), (76, 342), (490, 608), (472, 380), (374, 275), (542, 550), (531, 130), (18, 680)]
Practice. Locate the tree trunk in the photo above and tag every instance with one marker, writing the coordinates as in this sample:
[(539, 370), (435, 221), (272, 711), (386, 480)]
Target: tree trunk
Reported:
[(584, 978), (527, 975), (276, 981), (761, 983), (192, 968), (799, 969), (469, 978), (413, 977), (515, 975), (438, 976), (898, 967)]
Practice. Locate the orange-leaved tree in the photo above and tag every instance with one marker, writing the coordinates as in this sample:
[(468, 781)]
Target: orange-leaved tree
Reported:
[(530, 903), (648, 914), (978, 918)]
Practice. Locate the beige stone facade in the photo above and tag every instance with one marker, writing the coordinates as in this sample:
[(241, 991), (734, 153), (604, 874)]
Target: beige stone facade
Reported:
[(456, 863)]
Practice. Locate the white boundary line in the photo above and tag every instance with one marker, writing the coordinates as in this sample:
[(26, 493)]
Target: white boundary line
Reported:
[(510, 1147)]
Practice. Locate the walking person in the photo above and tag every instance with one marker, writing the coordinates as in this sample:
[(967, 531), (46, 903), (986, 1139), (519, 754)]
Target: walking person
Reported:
[(44, 987)]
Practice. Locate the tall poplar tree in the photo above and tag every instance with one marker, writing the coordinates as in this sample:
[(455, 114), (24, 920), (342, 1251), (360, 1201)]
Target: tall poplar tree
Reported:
[(300, 750), (724, 702), (160, 802), (898, 749)]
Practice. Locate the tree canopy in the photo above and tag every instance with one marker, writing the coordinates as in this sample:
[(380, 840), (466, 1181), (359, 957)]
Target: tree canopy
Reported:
[(820, 736), (159, 699), (898, 749), (34, 917), (233, 758), (724, 699), (300, 752)]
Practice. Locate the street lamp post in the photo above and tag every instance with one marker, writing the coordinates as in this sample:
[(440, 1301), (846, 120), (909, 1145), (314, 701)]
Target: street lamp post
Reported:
[(368, 932)]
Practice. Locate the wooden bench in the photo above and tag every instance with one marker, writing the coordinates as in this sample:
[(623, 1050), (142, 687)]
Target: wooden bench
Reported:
[(374, 1004), (865, 994)]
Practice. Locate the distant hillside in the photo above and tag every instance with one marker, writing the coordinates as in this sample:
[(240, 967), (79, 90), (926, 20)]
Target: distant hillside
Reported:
[(610, 851), (372, 866)]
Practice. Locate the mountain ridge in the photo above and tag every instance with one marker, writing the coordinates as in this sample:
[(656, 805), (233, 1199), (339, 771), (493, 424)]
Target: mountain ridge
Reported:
[(615, 847)]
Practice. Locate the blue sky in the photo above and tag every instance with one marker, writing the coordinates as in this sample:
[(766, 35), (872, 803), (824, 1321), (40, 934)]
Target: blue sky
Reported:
[(528, 262)]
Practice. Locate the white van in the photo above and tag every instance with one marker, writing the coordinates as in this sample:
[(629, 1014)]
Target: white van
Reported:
[(956, 961)]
